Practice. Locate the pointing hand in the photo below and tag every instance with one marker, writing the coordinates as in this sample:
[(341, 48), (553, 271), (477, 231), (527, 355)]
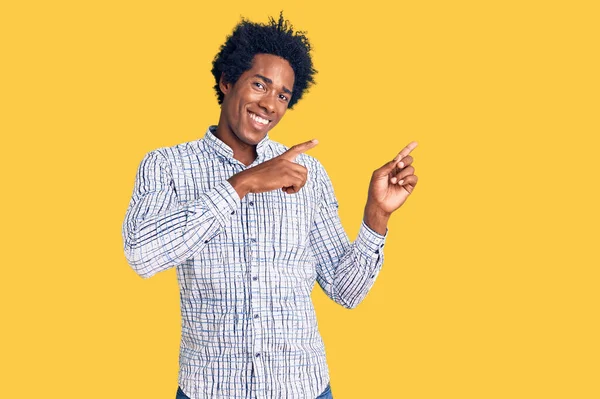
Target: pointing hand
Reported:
[(280, 172), (392, 183)]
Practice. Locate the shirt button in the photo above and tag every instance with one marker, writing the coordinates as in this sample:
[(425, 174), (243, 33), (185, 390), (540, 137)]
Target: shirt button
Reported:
[(232, 212), (373, 276), (254, 278), (251, 203), (258, 355), (253, 240), (206, 241), (256, 316)]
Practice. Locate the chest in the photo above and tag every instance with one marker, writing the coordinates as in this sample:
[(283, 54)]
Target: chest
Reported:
[(275, 220)]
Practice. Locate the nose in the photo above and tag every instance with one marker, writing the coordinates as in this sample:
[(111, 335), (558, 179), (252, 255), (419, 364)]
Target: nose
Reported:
[(267, 102)]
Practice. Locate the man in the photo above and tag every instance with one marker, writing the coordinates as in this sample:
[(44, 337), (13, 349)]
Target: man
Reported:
[(250, 225)]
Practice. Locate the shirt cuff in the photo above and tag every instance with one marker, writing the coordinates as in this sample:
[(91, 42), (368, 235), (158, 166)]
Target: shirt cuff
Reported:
[(222, 201), (369, 242)]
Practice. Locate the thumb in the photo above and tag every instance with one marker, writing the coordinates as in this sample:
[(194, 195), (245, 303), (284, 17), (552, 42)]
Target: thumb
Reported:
[(387, 168), (298, 149)]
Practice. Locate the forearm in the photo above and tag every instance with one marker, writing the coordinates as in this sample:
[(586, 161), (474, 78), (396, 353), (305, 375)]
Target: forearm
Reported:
[(347, 271), (358, 268)]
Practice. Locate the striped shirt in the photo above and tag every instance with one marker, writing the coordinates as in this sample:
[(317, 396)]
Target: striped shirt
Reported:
[(246, 268)]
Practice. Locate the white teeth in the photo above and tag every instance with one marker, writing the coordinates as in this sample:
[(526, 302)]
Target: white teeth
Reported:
[(258, 119)]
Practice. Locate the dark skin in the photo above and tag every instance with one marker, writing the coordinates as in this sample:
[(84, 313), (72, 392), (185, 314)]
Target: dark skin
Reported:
[(255, 104), (263, 90)]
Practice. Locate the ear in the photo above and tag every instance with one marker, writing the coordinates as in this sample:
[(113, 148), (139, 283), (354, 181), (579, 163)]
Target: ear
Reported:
[(224, 85)]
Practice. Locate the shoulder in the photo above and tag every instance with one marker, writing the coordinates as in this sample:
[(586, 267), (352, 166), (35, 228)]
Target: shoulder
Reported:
[(179, 154)]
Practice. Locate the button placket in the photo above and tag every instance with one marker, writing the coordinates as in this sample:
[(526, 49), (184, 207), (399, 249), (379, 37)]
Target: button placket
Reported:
[(251, 217)]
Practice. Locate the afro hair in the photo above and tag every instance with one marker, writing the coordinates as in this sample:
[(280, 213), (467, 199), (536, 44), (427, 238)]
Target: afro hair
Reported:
[(275, 37)]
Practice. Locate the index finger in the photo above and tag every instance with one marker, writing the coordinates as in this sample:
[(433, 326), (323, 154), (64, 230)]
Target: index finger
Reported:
[(298, 149), (406, 150)]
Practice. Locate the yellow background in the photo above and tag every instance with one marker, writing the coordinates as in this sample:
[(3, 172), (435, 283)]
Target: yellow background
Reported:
[(490, 287)]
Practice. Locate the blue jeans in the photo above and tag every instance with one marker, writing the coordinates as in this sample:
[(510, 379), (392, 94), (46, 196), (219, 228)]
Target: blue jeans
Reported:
[(325, 395)]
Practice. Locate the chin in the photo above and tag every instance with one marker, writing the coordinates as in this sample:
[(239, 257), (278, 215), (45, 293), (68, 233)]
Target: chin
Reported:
[(251, 137)]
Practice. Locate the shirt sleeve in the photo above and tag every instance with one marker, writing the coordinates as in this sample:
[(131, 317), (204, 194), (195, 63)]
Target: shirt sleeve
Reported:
[(345, 271), (159, 232)]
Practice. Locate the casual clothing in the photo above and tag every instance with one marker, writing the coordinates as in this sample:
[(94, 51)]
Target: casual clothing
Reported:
[(246, 268)]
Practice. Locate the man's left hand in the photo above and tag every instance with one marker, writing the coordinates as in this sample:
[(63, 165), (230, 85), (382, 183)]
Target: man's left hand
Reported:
[(390, 187)]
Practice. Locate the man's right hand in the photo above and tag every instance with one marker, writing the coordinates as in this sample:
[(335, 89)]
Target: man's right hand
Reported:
[(280, 172)]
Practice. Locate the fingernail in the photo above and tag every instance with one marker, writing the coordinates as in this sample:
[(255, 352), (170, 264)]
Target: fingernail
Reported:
[(393, 179), (401, 165), (401, 181)]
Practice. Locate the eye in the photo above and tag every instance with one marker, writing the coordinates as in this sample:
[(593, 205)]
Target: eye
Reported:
[(259, 85), (284, 98)]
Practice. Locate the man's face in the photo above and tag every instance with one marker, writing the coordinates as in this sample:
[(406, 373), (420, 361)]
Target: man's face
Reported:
[(258, 100)]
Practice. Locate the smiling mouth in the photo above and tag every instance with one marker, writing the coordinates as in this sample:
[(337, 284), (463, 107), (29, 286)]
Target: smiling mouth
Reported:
[(258, 119)]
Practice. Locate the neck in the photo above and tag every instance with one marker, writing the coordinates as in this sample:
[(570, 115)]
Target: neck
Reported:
[(243, 152)]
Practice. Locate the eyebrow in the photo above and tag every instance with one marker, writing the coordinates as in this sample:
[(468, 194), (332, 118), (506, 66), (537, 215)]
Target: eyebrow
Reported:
[(269, 81)]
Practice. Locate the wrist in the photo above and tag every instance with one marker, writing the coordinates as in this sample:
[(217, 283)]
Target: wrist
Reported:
[(376, 218), (240, 183)]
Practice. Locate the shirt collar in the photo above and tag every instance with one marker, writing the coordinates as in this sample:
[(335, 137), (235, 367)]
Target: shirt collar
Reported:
[(224, 150)]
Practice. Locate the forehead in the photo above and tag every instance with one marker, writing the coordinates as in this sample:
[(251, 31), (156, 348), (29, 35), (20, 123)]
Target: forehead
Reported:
[(272, 67)]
